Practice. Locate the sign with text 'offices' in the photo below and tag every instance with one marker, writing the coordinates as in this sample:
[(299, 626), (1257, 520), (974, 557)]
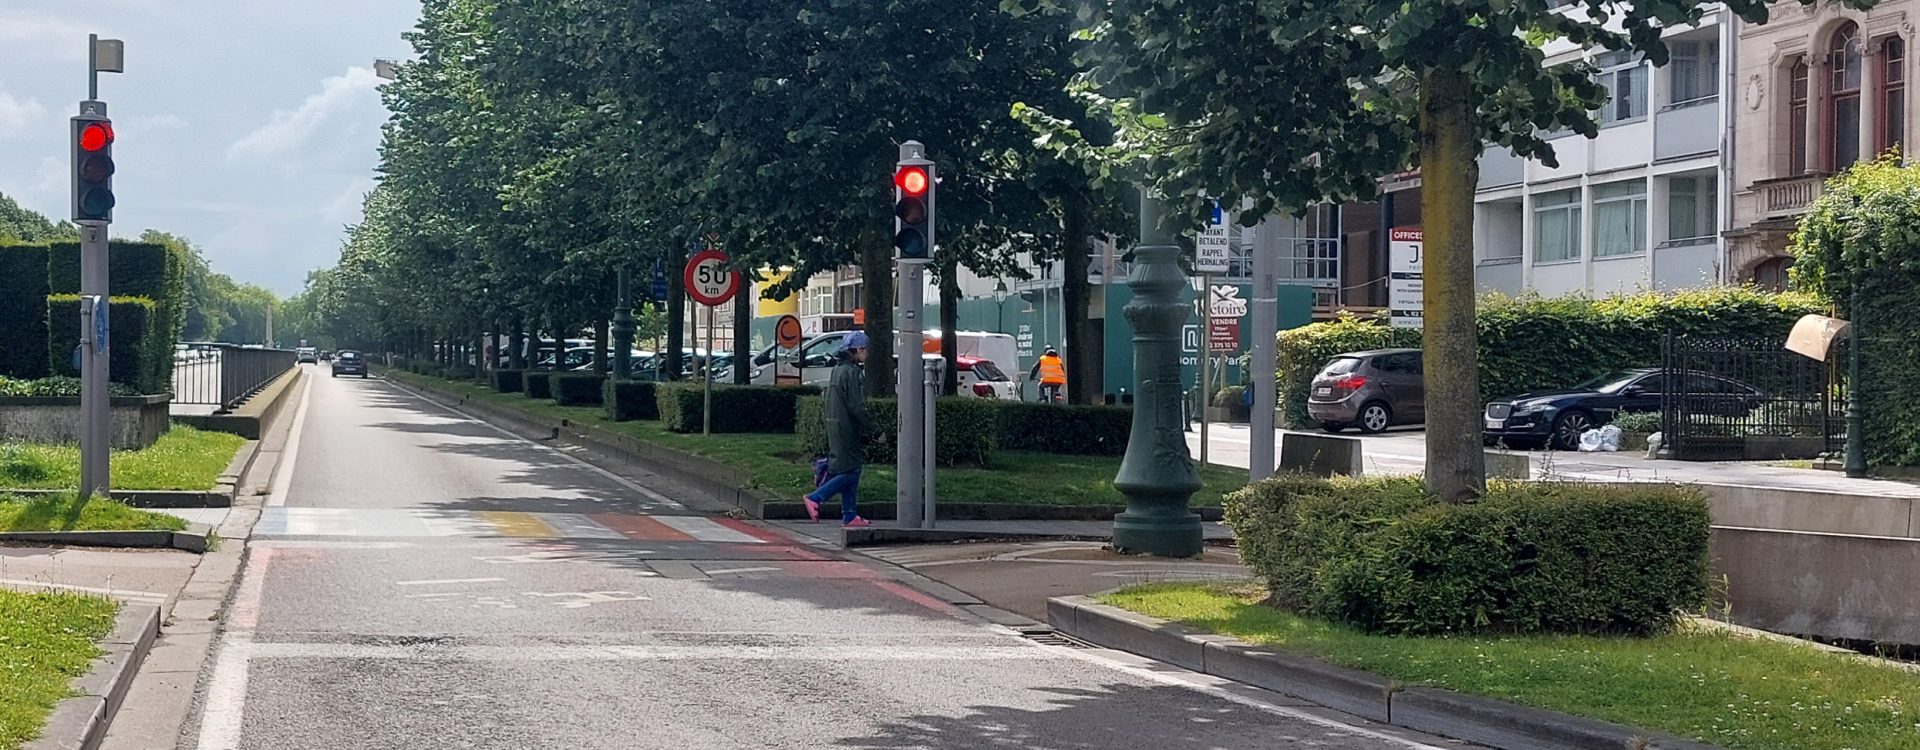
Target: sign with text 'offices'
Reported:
[(1406, 292)]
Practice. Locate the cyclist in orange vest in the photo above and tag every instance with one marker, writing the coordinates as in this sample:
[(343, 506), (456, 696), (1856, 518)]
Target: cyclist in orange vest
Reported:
[(1051, 373)]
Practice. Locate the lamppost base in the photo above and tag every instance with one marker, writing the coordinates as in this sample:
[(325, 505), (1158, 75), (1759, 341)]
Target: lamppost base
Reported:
[(1158, 534)]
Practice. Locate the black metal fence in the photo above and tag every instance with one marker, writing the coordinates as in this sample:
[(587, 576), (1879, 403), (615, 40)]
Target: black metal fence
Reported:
[(223, 375), (1746, 398)]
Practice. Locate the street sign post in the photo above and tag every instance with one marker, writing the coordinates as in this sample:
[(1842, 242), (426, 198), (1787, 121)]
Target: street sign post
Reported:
[(915, 186), (710, 282), (1211, 253), (93, 202), (1223, 336), (788, 335)]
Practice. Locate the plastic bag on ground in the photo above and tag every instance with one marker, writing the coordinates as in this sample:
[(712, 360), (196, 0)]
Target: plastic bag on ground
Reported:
[(1603, 439)]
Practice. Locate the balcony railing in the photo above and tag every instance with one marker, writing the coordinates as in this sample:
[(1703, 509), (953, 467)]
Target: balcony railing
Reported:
[(1788, 196)]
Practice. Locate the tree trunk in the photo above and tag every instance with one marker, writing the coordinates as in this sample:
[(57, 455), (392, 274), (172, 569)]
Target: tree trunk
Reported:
[(1074, 223), (517, 346), (876, 285), (950, 326), (743, 332), (602, 351), (1449, 145), (676, 312)]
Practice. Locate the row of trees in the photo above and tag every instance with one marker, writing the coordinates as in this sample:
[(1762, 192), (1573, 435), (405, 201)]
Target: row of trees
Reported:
[(538, 144)]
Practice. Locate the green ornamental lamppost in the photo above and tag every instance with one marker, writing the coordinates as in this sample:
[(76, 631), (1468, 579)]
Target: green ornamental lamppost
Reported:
[(1157, 475), (623, 327)]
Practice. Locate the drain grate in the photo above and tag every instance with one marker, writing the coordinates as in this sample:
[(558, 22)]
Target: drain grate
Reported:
[(1051, 637)]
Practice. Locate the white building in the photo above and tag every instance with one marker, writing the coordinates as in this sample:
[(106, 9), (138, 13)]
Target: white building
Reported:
[(1641, 206)]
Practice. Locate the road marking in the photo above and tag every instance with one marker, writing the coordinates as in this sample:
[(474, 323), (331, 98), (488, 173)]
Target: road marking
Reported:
[(644, 528), (583, 599), (226, 701), (726, 571), (1224, 689), (739, 652), (448, 581), (577, 526), (705, 530), (622, 481), (290, 453), (519, 525)]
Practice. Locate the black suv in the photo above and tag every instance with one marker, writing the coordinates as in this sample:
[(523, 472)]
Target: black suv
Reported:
[(349, 362)]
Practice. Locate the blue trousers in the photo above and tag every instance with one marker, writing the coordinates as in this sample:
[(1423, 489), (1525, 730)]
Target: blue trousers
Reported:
[(847, 486)]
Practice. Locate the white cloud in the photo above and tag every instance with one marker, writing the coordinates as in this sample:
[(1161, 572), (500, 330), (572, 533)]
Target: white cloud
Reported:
[(16, 114), (151, 123), (44, 35), (290, 131), (345, 208)]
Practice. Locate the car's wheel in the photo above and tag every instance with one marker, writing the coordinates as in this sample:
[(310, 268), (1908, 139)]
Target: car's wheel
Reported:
[(1375, 417), (1567, 429), (1332, 428)]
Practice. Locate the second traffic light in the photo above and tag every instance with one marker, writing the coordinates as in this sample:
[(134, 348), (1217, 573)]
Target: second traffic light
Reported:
[(913, 187), (92, 169)]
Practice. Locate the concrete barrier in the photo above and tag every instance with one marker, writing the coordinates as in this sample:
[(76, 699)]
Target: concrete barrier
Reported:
[(1829, 585), (1503, 465), (1320, 455), (136, 421)]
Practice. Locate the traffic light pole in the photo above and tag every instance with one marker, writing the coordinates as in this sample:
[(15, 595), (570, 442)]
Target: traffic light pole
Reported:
[(95, 478), (913, 495)]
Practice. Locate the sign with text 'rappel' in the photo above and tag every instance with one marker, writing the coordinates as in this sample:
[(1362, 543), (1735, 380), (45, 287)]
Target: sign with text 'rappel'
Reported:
[(1210, 248), (1406, 292)]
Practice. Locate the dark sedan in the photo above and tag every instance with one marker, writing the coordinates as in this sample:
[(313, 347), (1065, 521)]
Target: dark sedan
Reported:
[(349, 362), (1556, 419)]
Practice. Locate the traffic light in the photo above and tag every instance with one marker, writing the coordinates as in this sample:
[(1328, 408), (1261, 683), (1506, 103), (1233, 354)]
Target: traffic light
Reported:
[(913, 185), (92, 169)]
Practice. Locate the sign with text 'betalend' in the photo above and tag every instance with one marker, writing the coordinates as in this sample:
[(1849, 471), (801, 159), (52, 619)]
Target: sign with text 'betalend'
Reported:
[(1406, 292), (1210, 248)]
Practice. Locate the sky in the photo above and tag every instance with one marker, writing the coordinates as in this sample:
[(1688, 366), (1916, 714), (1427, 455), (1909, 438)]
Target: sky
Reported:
[(251, 128)]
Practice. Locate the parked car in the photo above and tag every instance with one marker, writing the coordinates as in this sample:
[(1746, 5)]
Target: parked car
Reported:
[(306, 355), (1370, 390), (1557, 418), (349, 362), (576, 356)]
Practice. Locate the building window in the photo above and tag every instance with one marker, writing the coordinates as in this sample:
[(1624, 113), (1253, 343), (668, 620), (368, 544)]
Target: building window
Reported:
[(1619, 218), (1556, 226), (1694, 71), (1625, 78), (1843, 98), (1893, 93), (1797, 91), (1772, 274), (1693, 209)]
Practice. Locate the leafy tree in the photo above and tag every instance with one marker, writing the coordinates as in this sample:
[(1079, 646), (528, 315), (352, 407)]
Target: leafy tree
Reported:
[(1286, 103), (19, 224)]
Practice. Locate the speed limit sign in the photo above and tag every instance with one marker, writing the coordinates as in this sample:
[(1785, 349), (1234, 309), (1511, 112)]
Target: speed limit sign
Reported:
[(708, 280)]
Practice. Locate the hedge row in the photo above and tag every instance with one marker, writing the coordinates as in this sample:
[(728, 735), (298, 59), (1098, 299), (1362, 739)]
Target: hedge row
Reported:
[(1052, 428), (23, 312), (736, 408), (539, 385), (509, 381), (577, 388), (965, 434), (132, 349), (1531, 343), (1386, 557), (628, 400), (135, 269)]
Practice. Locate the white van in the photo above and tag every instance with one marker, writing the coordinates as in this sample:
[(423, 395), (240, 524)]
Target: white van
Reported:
[(981, 374)]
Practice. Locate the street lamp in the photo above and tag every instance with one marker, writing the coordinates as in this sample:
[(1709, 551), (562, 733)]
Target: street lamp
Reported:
[(1000, 298)]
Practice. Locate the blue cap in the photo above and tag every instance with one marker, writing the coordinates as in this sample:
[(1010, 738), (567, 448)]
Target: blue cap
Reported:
[(855, 340)]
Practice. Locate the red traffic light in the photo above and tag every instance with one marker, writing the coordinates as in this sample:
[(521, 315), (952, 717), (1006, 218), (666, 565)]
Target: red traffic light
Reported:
[(911, 180), (96, 136)]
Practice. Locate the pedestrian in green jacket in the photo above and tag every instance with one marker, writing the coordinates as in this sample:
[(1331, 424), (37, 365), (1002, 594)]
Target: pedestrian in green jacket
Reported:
[(847, 430)]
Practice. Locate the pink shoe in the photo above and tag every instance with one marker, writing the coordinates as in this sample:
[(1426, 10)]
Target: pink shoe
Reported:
[(856, 523), (813, 508)]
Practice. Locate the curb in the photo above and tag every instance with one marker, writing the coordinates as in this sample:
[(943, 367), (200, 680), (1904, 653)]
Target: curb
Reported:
[(1434, 711), (194, 539), (877, 536), (787, 510), (221, 496), (80, 722)]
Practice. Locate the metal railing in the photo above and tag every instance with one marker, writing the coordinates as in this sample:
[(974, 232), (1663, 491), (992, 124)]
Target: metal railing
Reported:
[(1721, 393), (223, 375)]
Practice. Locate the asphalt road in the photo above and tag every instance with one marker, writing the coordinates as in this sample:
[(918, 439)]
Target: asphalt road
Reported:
[(421, 580)]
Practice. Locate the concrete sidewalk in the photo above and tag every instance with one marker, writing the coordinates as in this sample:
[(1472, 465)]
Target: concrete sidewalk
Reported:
[(1020, 577), (1404, 452)]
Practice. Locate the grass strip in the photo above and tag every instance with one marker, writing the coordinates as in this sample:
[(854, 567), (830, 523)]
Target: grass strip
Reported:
[(46, 641), (1708, 685), (66, 513), (774, 463), (182, 459)]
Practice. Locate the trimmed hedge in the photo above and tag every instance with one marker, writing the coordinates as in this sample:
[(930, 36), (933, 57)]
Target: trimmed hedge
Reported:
[(539, 385), (1532, 343), (60, 387), (1053, 428), (23, 312), (965, 434), (131, 348), (736, 408), (135, 269), (509, 381), (1386, 557), (628, 400), (578, 389)]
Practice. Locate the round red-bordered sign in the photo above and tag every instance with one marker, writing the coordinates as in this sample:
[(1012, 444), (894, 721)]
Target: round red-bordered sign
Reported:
[(708, 280)]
